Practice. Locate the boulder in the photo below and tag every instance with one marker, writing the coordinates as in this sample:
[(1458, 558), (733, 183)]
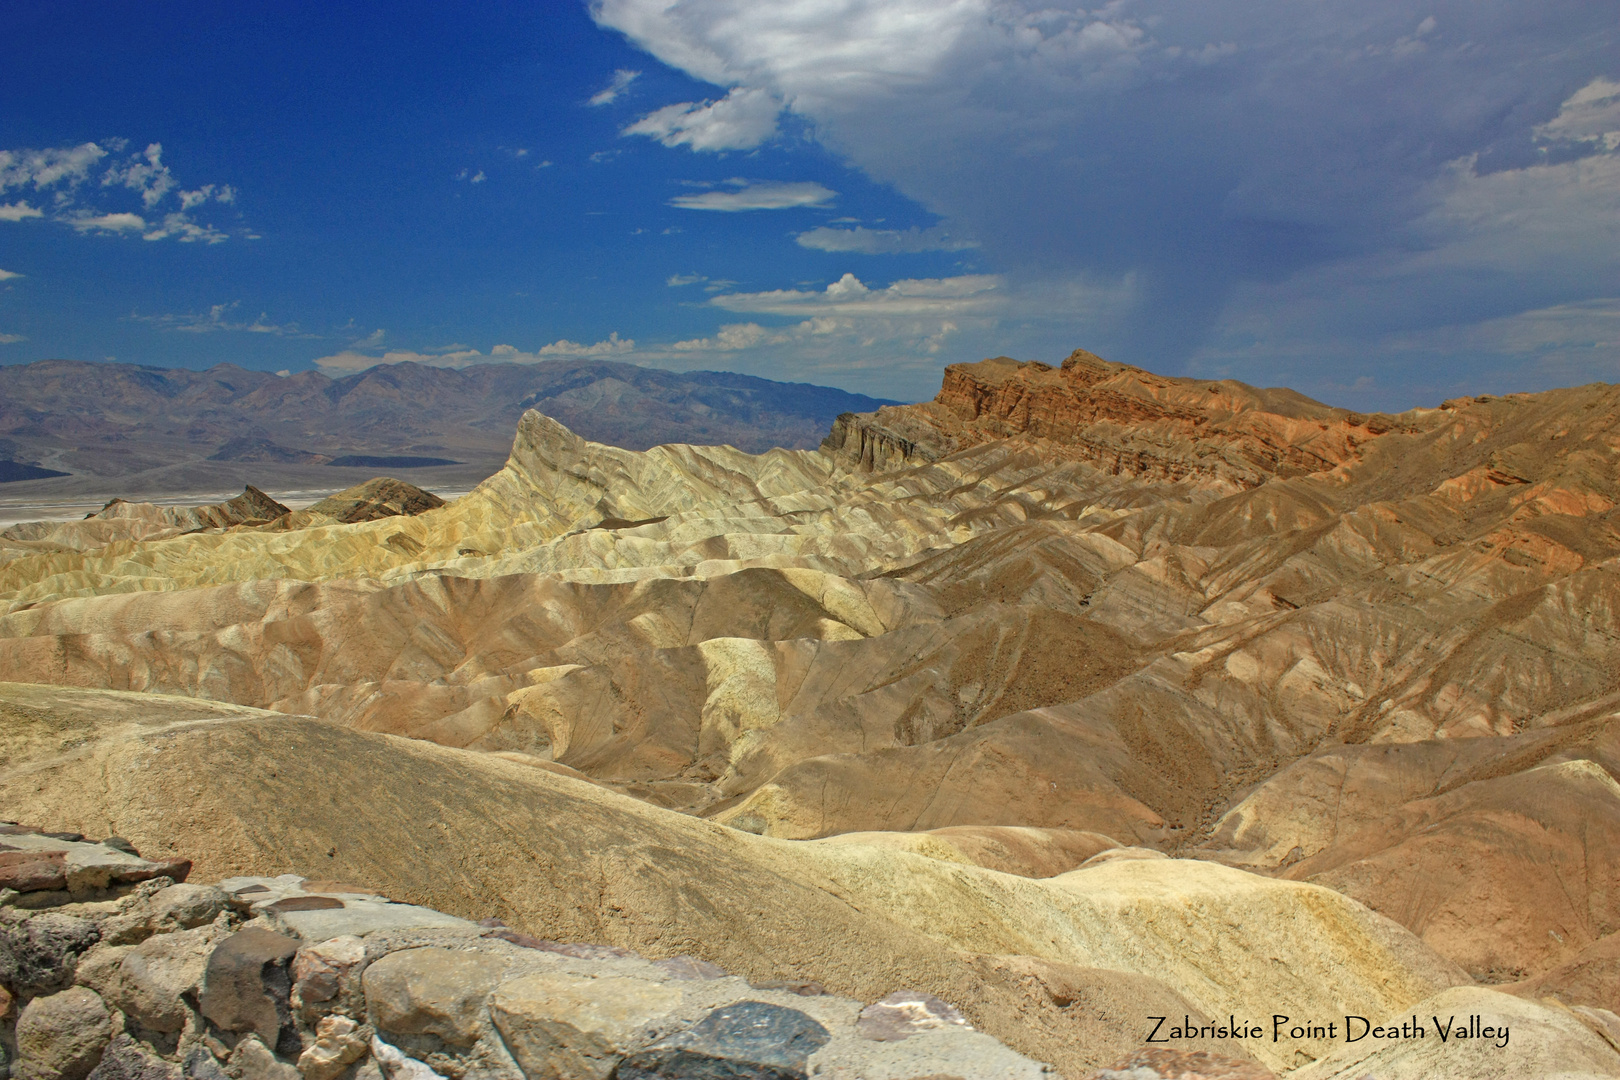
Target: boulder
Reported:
[(339, 1042), (32, 871), (252, 1060), (559, 1025), (316, 918), (201, 1065), (34, 861), (39, 952), (247, 986), (126, 1059), (397, 1066), (178, 907), (431, 991), (62, 1036), (101, 968), (325, 975), (157, 977), (751, 1040)]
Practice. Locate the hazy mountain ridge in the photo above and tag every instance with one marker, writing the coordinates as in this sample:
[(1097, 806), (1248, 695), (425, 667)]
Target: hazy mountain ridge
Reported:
[(228, 425)]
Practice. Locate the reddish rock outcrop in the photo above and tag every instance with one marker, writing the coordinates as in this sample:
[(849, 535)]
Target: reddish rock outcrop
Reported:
[(1121, 418)]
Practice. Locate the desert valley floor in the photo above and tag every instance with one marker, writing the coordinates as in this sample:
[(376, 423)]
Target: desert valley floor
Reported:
[(1076, 696)]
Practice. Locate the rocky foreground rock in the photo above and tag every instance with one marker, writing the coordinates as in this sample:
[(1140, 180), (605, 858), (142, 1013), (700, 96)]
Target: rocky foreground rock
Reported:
[(1066, 970), (284, 978)]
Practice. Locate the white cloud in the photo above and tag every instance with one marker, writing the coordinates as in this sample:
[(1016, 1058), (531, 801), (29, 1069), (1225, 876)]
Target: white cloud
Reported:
[(757, 195), (181, 226), (741, 120), (1206, 151), (612, 345), (40, 169), (350, 361), (615, 89), (144, 173), (675, 281), (11, 339), (113, 223), (734, 337), (219, 318), (218, 192), (7, 275), (976, 294), (1591, 115), (66, 169), (864, 241), (847, 327)]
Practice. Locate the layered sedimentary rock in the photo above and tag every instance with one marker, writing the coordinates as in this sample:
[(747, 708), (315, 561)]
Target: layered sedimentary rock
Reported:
[(379, 498), (1055, 612)]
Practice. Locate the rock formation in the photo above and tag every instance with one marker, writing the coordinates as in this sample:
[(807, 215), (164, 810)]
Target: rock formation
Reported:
[(970, 670), (379, 498), (290, 977), (121, 520)]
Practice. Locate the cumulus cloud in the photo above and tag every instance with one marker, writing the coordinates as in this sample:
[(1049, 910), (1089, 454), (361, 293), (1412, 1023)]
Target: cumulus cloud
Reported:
[(1217, 154), (864, 241), (64, 172), (615, 89), (734, 337), (67, 166), (848, 330), (741, 120), (1591, 115), (352, 360), (143, 173), (7, 275), (757, 195), (11, 339)]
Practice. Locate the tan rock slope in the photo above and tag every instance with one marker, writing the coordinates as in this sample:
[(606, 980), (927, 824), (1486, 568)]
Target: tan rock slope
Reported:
[(132, 521), (1055, 610), (1066, 969)]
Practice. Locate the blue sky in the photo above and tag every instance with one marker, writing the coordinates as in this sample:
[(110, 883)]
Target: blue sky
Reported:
[(1381, 204)]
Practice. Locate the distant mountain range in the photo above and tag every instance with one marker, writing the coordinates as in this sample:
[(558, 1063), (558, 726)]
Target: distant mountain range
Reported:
[(68, 426)]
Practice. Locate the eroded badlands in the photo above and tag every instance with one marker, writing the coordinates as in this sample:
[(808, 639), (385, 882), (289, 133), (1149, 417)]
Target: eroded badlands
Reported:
[(927, 707)]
